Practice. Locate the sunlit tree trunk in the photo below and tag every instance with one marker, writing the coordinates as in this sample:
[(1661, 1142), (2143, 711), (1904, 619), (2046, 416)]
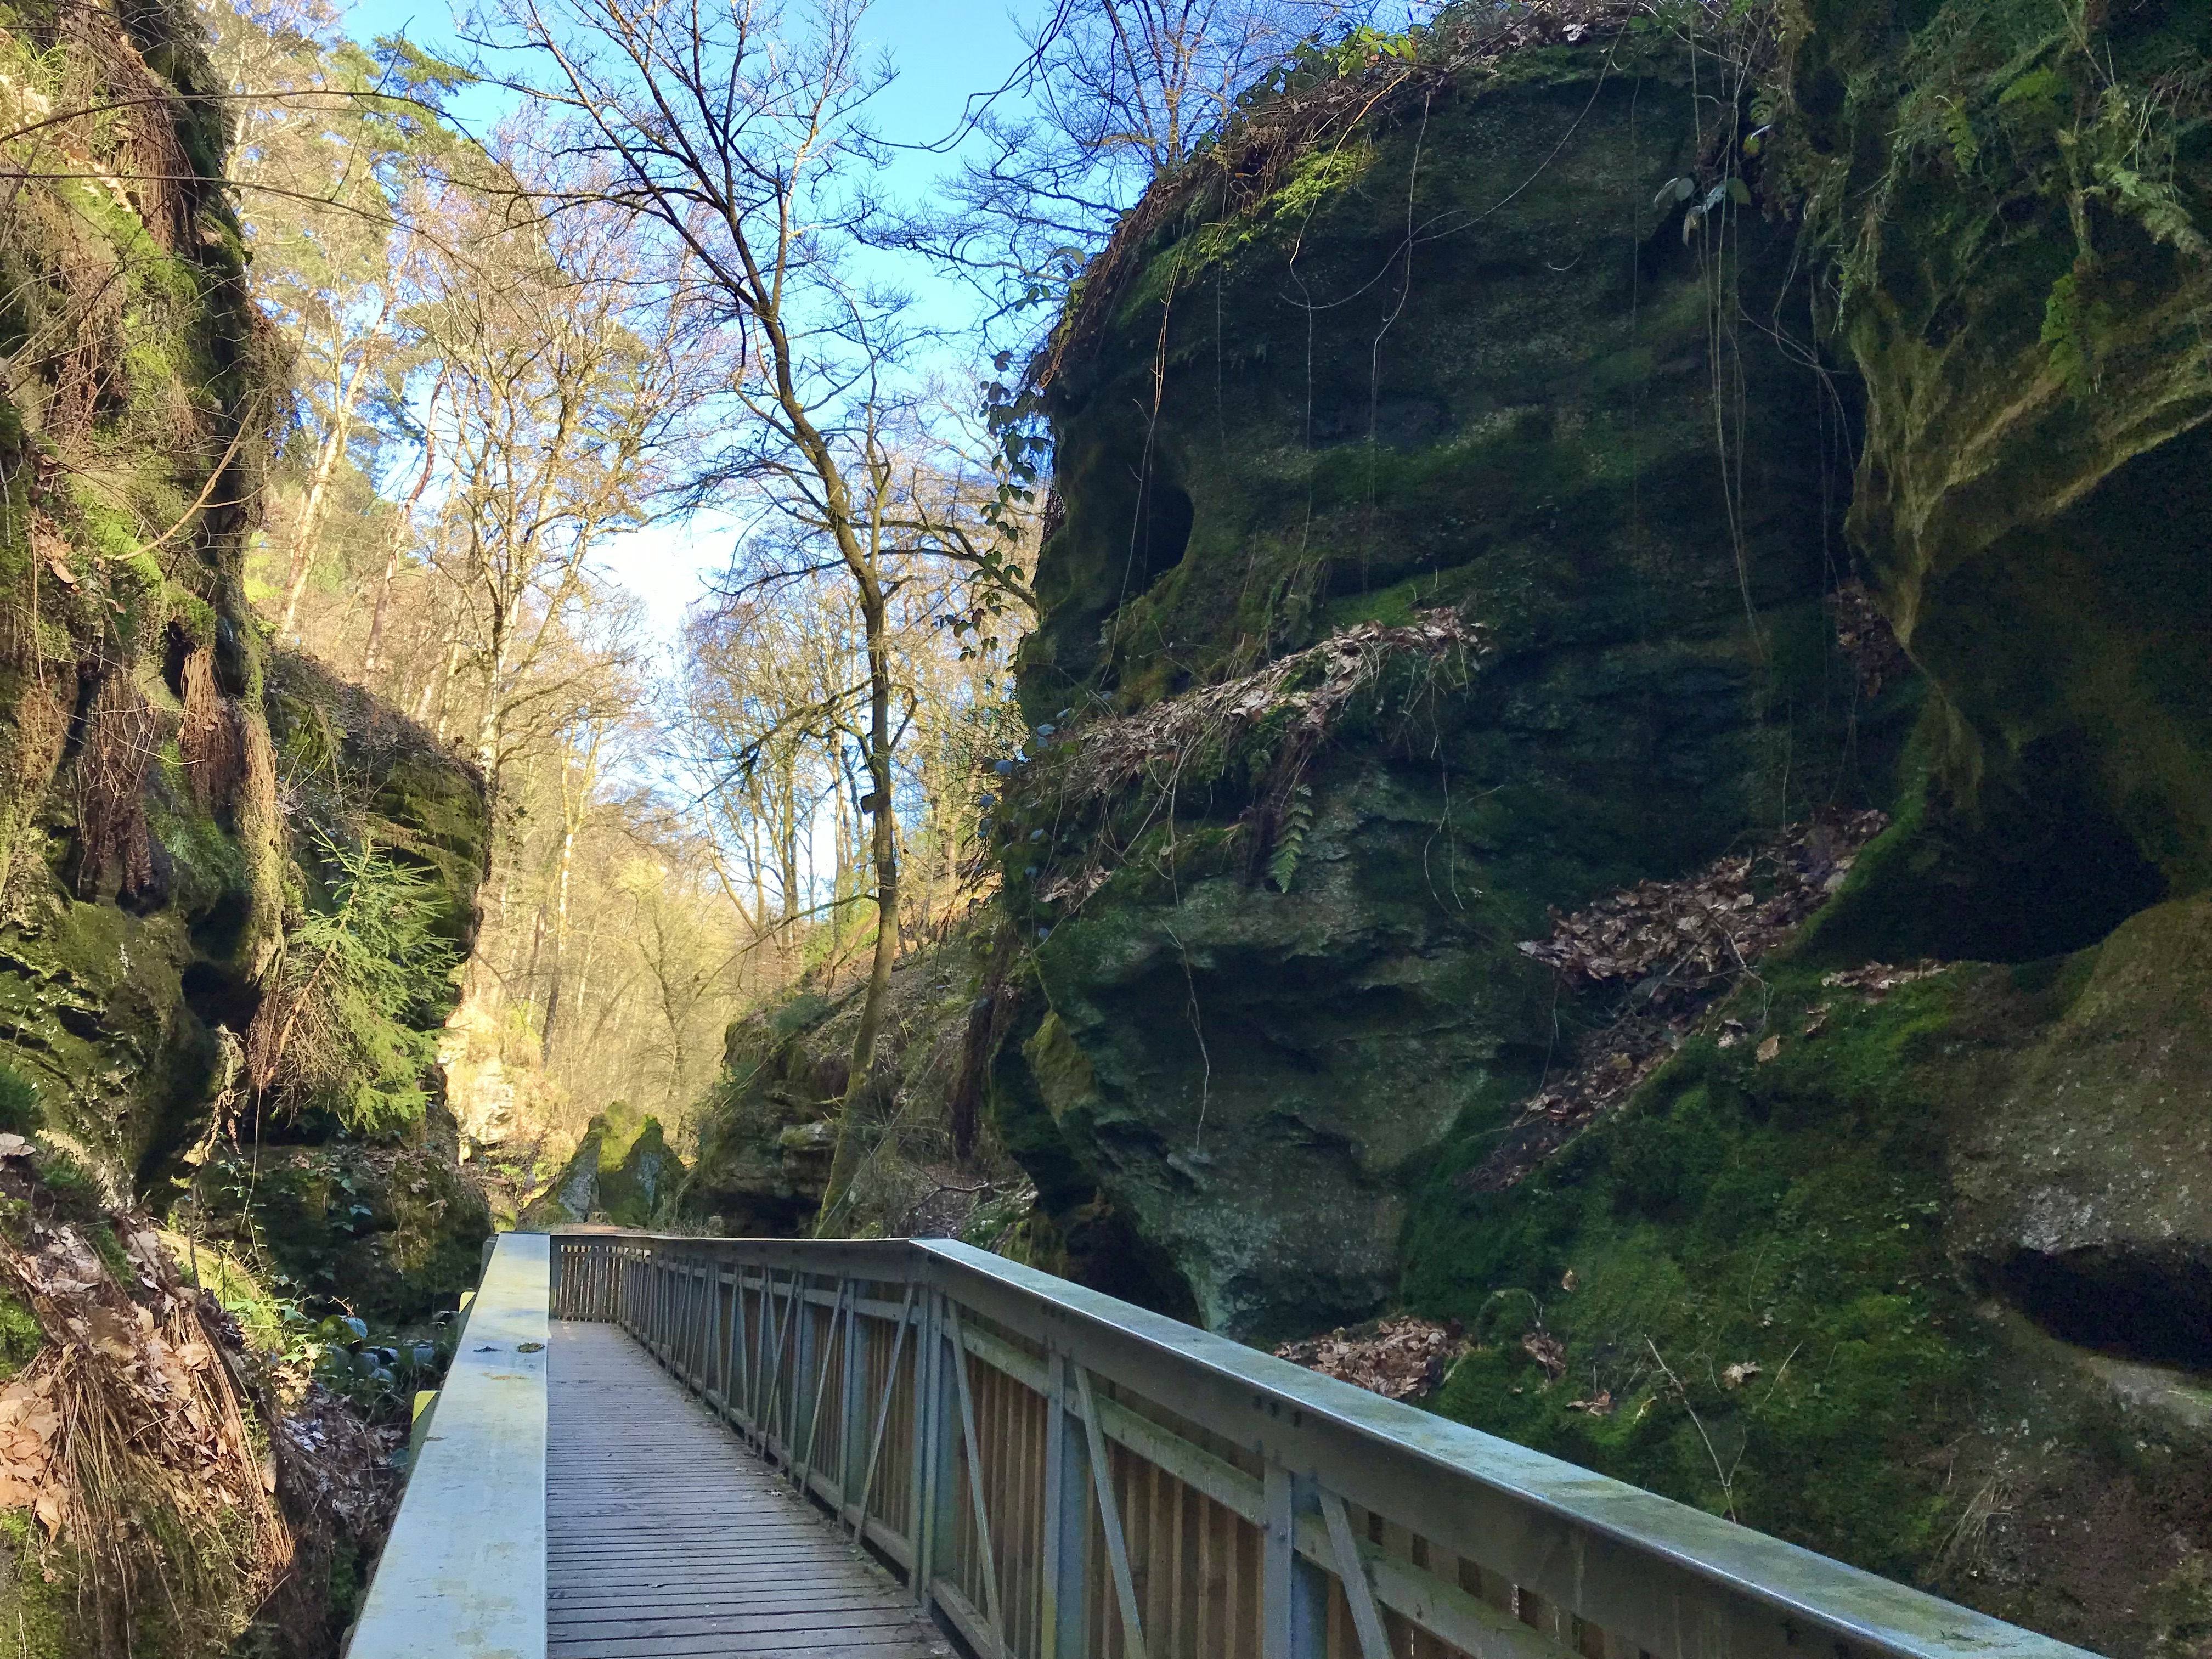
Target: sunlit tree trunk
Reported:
[(402, 525), (327, 457)]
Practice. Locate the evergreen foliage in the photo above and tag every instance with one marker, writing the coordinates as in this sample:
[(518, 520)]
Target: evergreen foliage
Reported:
[(344, 1033)]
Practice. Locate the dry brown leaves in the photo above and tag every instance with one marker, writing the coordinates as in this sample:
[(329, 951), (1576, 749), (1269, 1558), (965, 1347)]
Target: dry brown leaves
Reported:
[(1867, 639), (124, 1435), (1548, 1351), (1400, 1359), (1675, 939), (1876, 980), (1680, 945), (129, 1399), (29, 1425), (335, 1466), (1314, 686)]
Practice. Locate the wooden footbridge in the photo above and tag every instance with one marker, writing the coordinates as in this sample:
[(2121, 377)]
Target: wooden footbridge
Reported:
[(883, 1450)]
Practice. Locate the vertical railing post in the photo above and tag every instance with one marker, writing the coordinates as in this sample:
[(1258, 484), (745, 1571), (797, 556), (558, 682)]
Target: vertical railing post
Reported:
[(1293, 1592), (710, 1347), (799, 1399), (742, 1324), (1067, 1518), (695, 1323), (935, 1449), (852, 1400)]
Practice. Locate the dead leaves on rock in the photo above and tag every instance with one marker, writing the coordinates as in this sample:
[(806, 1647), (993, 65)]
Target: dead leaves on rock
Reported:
[(1876, 980), (1400, 1358), (131, 1403), (29, 1426), (1548, 1351), (1671, 940), (336, 1467), (1867, 641), (1676, 948), (1308, 690), (1312, 686), (126, 1439)]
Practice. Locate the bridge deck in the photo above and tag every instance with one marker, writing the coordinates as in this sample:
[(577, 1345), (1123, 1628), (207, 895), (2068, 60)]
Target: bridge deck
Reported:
[(665, 1537)]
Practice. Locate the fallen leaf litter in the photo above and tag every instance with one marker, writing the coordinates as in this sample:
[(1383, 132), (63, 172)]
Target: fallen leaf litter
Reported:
[(1674, 948)]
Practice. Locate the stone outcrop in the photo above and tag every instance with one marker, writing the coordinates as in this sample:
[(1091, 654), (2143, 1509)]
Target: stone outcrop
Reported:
[(622, 1173), (1492, 479), (164, 769), (1274, 969)]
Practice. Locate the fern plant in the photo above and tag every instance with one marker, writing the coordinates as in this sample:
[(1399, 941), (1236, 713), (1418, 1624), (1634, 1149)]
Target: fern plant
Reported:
[(343, 1030), (1290, 838)]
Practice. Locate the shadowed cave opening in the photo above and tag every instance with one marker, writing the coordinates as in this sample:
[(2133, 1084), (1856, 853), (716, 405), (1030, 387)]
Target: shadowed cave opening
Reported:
[(1160, 534), (2149, 1306)]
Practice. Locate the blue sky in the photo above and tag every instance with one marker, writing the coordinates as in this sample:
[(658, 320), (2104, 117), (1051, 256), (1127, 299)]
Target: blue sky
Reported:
[(944, 50)]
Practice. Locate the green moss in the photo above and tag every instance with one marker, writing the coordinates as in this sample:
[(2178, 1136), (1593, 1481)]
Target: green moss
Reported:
[(20, 1335), (1786, 1216), (2016, 198), (34, 1611), (2181, 1612), (19, 1102), (205, 1267), (395, 1234)]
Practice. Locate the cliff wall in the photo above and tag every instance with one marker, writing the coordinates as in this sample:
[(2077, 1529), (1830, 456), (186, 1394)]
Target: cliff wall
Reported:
[(1618, 754)]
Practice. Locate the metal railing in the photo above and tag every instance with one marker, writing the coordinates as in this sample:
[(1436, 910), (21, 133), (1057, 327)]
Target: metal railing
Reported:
[(1065, 1476)]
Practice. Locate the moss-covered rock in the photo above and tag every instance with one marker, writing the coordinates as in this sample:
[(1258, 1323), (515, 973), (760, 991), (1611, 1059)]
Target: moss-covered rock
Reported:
[(1938, 1270), (1279, 993), (146, 873), (2016, 203), (1932, 1270), (139, 885), (767, 1130), (421, 801), (391, 1233), (623, 1172)]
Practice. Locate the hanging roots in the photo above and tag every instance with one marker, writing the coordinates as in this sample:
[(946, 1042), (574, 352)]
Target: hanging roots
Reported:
[(214, 749), (121, 737)]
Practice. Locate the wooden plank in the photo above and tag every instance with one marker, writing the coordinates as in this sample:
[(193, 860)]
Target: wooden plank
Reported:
[(666, 1539)]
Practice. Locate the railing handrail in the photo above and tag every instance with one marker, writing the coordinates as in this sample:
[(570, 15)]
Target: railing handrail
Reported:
[(463, 1572), (1670, 1578)]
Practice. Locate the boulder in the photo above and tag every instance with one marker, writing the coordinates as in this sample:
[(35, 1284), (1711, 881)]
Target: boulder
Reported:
[(621, 1172)]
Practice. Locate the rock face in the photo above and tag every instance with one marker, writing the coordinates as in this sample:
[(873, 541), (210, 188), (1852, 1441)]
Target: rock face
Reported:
[(2084, 1190), (622, 1173), (394, 1232), (140, 852), (1490, 482), (2023, 280), (163, 770), (1436, 550), (1274, 972), (767, 1132)]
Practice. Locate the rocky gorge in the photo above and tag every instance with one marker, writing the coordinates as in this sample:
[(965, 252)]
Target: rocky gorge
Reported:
[(1620, 729)]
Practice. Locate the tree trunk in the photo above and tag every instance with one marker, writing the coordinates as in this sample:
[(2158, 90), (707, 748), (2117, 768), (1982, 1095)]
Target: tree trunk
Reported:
[(399, 529), (845, 1163), (573, 803), (326, 462), (438, 687)]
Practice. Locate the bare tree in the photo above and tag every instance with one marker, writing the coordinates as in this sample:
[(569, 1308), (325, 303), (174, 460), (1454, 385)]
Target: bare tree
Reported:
[(563, 400), (733, 142), (1113, 93)]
